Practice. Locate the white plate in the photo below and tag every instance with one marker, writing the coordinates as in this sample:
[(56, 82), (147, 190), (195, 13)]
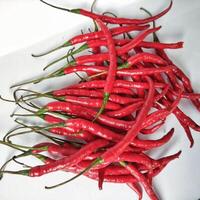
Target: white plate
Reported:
[(32, 22)]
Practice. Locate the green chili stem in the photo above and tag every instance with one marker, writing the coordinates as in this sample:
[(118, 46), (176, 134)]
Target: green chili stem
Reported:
[(93, 164), (105, 100), (80, 49), (8, 100), (17, 146)]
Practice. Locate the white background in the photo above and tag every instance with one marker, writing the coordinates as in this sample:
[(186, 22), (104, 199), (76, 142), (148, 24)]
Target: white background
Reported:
[(27, 26)]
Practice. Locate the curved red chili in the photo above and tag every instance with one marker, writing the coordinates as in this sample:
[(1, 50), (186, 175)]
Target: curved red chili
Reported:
[(112, 69), (117, 20)]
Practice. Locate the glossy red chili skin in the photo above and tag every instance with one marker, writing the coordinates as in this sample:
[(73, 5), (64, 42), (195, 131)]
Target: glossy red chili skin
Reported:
[(115, 151), (156, 116), (91, 58), (142, 179), (52, 119), (118, 83), (76, 133), (68, 149), (146, 57), (136, 188), (184, 120), (180, 75), (122, 72), (43, 144), (97, 50), (153, 129), (136, 158), (143, 57), (109, 135), (91, 93), (103, 119), (144, 44), (188, 132), (56, 150), (112, 69), (125, 111), (150, 144), (68, 161), (91, 103), (117, 20), (94, 129), (86, 113), (113, 175), (78, 125), (99, 34), (135, 41)]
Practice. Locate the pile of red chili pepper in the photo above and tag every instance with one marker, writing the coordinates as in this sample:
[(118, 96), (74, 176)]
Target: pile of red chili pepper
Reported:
[(128, 87)]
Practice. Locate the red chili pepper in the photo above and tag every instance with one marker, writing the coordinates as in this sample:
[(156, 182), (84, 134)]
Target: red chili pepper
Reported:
[(136, 158), (65, 131), (188, 132), (110, 170), (67, 149), (97, 50), (78, 125), (178, 73), (150, 144), (115, 151), (185, 121), (71, 93), (92, 103), (126, 156), (159, 45), (43, 144), (56, 150), (95, 35), (122, 72), (99, 34), (94, 129), (143, 44), (125, 111), (163, 162), (141, 57), (142, 179), (52, 119), (137, 40), (119, 178), (68, 161), (103, 119), (118, 83), (104, 133), (89, 114), (118, 20), (90, 93), (155, 117), (135, 187), (187, 95), (101, 174), (112, 70), (153, 129), (86, 113)]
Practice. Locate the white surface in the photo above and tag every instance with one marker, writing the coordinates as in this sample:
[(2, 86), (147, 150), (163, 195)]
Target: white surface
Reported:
[(23, 23)]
